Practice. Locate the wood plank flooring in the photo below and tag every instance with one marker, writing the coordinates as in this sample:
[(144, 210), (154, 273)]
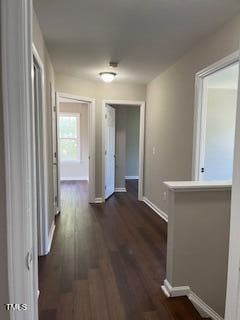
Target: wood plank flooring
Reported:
[(108, 262)]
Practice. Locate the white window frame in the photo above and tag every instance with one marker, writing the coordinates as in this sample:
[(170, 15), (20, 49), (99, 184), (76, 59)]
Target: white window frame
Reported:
[(78, 139)]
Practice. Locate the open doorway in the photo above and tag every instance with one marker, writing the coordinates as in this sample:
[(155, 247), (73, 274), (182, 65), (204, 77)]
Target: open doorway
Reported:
[(73, 141), (127, 148), (217, 91), (76, 141), (123, 145)]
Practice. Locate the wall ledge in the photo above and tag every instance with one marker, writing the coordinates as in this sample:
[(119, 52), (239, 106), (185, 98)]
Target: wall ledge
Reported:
[(182, 186), (204, 310)]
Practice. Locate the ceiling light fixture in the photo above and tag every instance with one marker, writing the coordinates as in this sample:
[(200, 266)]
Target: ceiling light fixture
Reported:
[(107, 76)]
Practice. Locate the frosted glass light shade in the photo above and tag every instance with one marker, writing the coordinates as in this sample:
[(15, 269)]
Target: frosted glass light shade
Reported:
[(107, 76)]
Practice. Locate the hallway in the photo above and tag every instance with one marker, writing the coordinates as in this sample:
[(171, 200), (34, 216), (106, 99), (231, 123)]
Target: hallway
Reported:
[(107, 262)]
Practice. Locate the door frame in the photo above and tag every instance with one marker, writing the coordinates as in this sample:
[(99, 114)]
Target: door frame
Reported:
[(141, 104), (232, 310), (200, 112), (16, 46), (91, 139), (43, 239)]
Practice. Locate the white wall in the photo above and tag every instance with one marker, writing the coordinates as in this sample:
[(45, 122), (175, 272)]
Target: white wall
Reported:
[(220, 131), (120, 146), (77, 170), (132, 140)]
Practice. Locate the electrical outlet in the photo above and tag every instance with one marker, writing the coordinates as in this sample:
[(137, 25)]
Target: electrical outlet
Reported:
[(164, 196)]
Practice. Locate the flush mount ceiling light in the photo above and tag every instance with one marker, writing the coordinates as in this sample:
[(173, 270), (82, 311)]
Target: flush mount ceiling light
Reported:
[(107, 76)]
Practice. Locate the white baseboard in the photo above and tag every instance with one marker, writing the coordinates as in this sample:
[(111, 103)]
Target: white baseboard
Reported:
[(204, 310), (120, 190), (74, 178), (50, 237), (161, 213), (131, 177), (172, 292), (98, 200)]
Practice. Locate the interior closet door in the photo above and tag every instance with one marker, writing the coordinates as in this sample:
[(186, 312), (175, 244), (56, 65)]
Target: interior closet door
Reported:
[(109, 151), (55, 160)]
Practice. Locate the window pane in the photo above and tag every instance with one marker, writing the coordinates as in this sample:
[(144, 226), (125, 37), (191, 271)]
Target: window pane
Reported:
[(68, 127), (69, 150)]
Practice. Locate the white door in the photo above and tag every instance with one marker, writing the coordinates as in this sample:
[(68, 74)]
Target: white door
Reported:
[(56, 160), (55, 150), (109, 151)]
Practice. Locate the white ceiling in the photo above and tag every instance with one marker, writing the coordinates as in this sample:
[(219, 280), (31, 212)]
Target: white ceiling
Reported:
[(145, 36), (226, 78)]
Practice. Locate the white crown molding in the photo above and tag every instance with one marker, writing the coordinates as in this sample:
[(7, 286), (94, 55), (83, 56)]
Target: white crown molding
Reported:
[(161, 213), (204, 309)]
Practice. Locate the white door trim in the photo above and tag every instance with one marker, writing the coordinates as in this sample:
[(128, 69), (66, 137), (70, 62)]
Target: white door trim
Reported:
[(16, 46), (91, 140), (200, 108), (141, 104), (232, 311), (43, 219)]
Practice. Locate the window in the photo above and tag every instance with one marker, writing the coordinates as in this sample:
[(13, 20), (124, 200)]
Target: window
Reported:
[(69, 132)]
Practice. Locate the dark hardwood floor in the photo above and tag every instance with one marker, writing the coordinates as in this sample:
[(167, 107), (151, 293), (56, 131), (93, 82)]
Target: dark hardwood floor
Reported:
[(107, 262)]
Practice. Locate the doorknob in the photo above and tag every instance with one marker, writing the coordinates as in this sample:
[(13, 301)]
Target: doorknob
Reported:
[(29, 259)]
